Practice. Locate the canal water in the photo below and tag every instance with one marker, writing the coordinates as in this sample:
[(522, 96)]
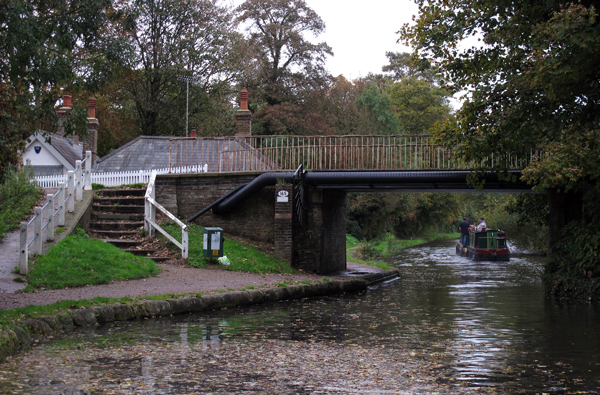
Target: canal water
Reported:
[(448, 325)]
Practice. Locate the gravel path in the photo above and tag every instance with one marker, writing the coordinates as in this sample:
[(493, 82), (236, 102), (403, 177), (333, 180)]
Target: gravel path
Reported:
[(171, 280)]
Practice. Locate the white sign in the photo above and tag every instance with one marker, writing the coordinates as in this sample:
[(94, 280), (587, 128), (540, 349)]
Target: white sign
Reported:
[(215, 241), (282, 196)]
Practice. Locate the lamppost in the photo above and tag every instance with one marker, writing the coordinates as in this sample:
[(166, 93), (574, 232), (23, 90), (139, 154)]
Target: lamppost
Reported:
[(187, 80)]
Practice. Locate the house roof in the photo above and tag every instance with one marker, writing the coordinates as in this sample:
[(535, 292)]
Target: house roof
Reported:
[(156, 152), (60, 146), (141, 153), (65, 146)]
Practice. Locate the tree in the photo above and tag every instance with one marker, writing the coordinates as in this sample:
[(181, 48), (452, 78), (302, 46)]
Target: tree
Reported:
[(286, 66), (417, 99), (41, 44), (171, 38), (532, 83), (419, 104), (339, 106), (402, 65), (378, 106)]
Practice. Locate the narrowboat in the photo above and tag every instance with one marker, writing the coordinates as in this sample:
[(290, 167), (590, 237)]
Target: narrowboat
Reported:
[(485, 245)]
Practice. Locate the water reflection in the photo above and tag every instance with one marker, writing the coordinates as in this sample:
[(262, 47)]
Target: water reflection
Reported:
[(449, 325)]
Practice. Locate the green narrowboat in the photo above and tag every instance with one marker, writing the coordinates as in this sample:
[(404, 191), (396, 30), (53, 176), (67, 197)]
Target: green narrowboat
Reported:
[(485, 245)]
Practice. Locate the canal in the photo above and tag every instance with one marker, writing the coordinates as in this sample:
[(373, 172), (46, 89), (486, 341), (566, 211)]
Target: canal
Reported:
[(448, 326)]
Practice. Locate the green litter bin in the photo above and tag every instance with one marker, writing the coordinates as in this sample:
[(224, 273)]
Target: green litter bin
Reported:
[(213, 242)]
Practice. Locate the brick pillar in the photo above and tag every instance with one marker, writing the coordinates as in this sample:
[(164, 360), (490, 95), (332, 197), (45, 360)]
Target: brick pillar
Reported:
[(320, 247), (334, 232), (91, 141), (243, 116), (564, 207), (283, 222)]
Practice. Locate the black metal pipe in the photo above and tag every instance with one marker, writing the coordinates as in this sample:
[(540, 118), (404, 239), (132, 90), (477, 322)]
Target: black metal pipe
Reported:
[(350, 179), (250, 189)]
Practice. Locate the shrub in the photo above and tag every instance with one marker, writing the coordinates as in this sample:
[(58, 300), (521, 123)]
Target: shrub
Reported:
[(18, 195)]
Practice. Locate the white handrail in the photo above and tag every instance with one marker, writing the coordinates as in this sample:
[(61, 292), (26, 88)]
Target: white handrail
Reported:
[(150, 224)]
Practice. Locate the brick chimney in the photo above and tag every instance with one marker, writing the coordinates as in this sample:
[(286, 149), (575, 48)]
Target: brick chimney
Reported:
[(193, 133), (243, 116), (63, 113), (91, 141)]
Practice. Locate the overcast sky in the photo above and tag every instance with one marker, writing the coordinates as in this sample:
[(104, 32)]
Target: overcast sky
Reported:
[(361, 32)]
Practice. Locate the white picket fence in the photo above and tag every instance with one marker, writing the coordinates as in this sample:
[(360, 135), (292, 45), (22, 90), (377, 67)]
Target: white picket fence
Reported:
[(114, 179)]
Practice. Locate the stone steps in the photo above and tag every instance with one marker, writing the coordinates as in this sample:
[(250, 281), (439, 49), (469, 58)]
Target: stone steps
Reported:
[(118, 219)]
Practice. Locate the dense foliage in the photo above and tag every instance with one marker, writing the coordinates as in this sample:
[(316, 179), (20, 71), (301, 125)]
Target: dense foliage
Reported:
[(41, 47), (531, 80), (18, 194), (373, 215), (172, 41)]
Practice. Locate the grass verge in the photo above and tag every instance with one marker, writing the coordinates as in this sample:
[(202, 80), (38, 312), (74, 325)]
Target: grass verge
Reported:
[(79, 260), (243, 257)]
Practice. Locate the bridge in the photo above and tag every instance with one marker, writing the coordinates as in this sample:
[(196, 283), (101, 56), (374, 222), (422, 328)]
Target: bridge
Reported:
[(291, 191), (270, 153)]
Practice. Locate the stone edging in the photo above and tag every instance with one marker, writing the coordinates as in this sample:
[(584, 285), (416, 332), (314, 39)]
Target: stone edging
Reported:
[(12, 340)]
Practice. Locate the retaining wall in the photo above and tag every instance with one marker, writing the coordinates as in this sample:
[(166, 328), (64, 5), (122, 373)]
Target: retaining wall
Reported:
[(186, 194)]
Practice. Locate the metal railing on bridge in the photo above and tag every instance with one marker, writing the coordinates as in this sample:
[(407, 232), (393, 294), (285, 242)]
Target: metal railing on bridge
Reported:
[(267, 153)]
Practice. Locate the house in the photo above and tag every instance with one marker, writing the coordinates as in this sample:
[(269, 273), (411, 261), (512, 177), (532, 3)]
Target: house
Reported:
[(56, 154), (52, 154)]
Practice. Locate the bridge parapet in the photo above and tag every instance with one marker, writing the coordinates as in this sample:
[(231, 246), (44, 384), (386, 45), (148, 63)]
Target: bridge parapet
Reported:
[(353, 152)]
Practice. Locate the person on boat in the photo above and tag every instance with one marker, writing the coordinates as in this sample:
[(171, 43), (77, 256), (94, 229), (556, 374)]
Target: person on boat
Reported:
[(482, 225), (464, 232)]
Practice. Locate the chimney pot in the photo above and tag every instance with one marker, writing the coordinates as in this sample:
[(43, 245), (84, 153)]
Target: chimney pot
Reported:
[(244, 99), (67, 101), (92, 107)]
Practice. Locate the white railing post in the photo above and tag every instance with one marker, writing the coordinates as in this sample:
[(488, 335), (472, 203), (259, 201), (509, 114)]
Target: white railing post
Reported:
[(141, 177), (152, 208), (61, 204), (79, 187), (146, 215), (149, 210), (50, 227), (37, 230), (71, 195), (24, 250), (88, 171), (184, 242)]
